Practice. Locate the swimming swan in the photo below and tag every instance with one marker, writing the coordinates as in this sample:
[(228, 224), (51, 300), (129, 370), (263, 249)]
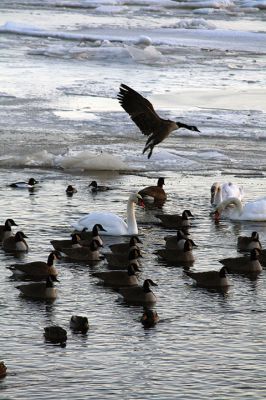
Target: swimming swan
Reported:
[(220, 192), (251, 211), (112, 223)]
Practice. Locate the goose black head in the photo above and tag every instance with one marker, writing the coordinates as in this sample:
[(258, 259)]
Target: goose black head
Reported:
[(186, 214), (10, 222), (160, 182), (189, 127), (96, 228), (146, 285), (20, 236), (255, 236)]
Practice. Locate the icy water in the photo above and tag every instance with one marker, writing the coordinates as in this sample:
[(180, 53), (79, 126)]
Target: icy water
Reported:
[(61, 64)]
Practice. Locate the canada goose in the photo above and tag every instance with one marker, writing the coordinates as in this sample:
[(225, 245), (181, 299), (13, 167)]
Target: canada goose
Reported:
[(119, 278), (87, 236), (16, 243), (3, 370), (119, 261), (176, 255), (156, 193), (210, 279), (139, 294), (112, 223), (176, 241), (70, 190), (55, 334), (40, 290), (243, 265), (245, 243), (220, 192), (124, 248), (147, 120), (97, 188), (175, 220), (6, 229), (90, 253), (149, 318), (37, 269), (79, 323), (28, 185), (74, 242)]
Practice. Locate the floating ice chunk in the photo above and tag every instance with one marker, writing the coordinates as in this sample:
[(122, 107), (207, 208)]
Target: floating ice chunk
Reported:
[(86, 160), (195, 23), (144, 40), (147, 55), (110, 9)]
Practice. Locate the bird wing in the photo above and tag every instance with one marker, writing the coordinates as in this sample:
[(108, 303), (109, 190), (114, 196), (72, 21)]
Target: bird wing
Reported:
[(140, 110)]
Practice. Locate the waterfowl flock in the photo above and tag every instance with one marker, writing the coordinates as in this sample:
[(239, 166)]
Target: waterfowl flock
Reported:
[(120, 268)]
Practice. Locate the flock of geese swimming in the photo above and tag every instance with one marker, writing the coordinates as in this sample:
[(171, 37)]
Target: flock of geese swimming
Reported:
[(123, 260)]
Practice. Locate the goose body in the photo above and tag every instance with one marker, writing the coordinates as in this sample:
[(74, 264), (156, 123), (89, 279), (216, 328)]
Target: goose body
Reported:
[(83, 253), (112, 223), (119, 278), (6, 229), (175, 221), (147, 120), (243, 265), (16, 243), (37, 269), (79, 323), (176, 255), (221, 192), (251, 211), (210, 279), (40, 290), (155, 193), (140, 294), (119, 261), (74, 242), (25, 185), (246, 243), (124, 248), (177, 241)]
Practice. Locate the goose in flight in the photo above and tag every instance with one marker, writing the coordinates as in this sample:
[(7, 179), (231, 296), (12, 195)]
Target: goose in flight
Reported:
[(147, 120)]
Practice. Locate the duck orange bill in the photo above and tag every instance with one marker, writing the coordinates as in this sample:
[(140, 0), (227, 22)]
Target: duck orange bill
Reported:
[(141, 203)]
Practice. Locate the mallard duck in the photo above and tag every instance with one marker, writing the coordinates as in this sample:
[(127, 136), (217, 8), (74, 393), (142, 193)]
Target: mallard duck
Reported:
[(3, 369), (139, 294), (16, 243), (70, 190), (118, 261), (149, 318), (124, 248), (246, 243), (90, 253), (119, 278), (97, 188), (147, 120), (179, 256), (37, 269), (156, 193), (40, 290), (79, 323), (210, 279), (243, 265), (55, 334), (174, 220), (6, 229)]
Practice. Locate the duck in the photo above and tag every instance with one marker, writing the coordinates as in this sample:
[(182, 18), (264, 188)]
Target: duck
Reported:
[(175, 220), (79, 323), (6, 229), (155, 193), (251, 211), (246, 243), (140, 294), (37, 269), (98, 188), (124, 248), (16, 243), (83, 253), (112, 223), (149, 318), (119, 278), (55, 334), (220, 192), (3, 369), (70, 190), (147, 120), (25, 185), (40, 290), (183, 255), (210, 279), (119, 261), (176, 241), (243, 265)]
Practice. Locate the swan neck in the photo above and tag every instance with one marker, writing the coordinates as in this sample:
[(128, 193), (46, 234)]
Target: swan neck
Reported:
[(232, 200), (131, 219)]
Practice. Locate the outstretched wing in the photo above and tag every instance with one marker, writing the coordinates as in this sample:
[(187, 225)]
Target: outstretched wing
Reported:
[(140, 110)]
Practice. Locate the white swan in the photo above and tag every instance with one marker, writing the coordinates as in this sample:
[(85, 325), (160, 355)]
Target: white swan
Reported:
[(251, 211), (220, 192), (112, 223)]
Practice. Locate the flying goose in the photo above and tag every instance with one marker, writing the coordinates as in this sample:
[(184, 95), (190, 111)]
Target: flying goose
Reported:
[(175, 220), (156, 193), (246, 243), (6, 229), (147, 120), (243, 265)]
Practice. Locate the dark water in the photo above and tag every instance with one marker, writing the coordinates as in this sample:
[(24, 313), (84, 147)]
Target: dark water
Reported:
[(206, 343)]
